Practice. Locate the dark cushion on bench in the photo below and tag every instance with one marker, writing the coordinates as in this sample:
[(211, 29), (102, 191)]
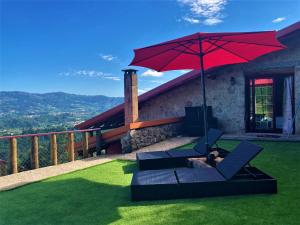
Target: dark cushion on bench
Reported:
[(153, 177), (213, 136), (237, 159), (184, 153), (195, 175), (152, 155)]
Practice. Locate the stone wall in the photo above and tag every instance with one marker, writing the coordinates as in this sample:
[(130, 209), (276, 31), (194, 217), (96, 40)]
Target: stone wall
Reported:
[(227, 100), (136, 139)]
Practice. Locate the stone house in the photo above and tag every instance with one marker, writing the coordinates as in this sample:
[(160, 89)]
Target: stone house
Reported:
[(259, 96)]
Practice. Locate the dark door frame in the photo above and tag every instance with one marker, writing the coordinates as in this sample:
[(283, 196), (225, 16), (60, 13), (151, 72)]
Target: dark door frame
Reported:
[(266, 75)]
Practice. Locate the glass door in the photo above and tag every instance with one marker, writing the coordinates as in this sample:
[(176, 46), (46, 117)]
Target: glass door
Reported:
[(261, 104)]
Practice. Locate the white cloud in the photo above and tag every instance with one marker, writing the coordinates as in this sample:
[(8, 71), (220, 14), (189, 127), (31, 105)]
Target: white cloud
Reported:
[(108, 57), (205, 8), (212, 21), (191, 20), (90, 74), (208, 10), (113, 78), (278, 20), (152, 73)]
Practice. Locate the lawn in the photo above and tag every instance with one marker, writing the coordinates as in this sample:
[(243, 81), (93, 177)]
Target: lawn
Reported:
[(101, 195)]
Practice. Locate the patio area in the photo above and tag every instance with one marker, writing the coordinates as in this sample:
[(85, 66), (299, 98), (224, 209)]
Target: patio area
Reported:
[(101, 195), (30, 176)]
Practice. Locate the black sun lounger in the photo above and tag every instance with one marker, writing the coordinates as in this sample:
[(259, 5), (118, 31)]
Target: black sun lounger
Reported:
[(230, 177), (175, 158)]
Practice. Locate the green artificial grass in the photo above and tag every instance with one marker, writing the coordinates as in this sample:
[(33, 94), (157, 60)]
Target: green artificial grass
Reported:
[(101, 195)]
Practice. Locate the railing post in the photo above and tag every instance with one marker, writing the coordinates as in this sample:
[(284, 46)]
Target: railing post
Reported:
[(71, 147), (3, 170), (53, 149), (35, 151), (14, 155), (85, 144), (98, 142)]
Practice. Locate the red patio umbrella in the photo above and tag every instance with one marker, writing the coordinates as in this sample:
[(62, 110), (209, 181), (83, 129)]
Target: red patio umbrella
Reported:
[(202, 51)]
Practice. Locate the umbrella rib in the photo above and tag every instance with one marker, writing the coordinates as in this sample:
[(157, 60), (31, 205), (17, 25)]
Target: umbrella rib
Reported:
[(211, 37), (153, 55), (216, 46), (173, 48), (189, 42), (231, 52), (183, 52), (235, 33), (212, 40), (242, 42), (209, 50), (169, 42), (169, 61)]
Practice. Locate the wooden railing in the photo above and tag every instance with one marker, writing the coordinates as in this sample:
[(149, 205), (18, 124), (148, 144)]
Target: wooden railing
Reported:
[(86, 143), (116, 133), (34, 153)]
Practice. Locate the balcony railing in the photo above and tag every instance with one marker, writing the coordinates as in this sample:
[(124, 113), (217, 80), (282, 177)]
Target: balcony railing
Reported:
[(45, 149)]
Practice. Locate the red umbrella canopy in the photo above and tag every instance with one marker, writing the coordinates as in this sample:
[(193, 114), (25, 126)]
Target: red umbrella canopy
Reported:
[(216, 48)]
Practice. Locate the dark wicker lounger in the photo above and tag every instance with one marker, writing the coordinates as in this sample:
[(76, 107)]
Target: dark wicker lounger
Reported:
[(175, 158), (230, 177)]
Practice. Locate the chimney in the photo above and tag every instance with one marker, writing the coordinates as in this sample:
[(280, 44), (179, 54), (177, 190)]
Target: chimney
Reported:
[(131, 108)]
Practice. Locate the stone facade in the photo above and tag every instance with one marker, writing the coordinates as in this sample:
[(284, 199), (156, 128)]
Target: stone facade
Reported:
[(139, 138), (227, 99)]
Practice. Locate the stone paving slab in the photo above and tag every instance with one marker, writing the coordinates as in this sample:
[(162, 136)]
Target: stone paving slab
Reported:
[(15, 180), (161, 146)]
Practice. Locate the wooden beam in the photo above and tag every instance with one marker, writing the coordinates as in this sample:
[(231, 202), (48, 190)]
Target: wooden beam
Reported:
[(98, 142), (152, 123), (14, 155), (53, 144), (71, 147), (35, 152), (49, 133), (85, 144), (116, 133)]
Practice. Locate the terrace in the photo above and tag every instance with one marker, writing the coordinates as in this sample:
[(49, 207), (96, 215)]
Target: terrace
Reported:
[(100, 195), (83, 175)]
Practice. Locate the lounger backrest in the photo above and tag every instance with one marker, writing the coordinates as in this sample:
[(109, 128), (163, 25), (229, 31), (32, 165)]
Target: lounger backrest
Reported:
[(213, 136), (237, 159)]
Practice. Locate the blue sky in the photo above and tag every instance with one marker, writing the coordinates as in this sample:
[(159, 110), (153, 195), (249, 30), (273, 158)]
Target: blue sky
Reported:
[(81, 46)]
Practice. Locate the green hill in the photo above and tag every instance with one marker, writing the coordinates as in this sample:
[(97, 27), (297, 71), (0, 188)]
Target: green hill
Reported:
[(20, 111)]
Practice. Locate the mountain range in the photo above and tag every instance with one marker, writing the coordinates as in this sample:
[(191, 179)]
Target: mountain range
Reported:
[(21, 111)]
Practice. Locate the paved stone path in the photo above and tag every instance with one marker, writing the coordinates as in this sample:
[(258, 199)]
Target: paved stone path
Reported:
[(19, 179)]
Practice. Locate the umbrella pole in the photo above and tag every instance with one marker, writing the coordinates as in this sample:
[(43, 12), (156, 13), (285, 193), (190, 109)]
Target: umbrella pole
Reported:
[(204, 96)]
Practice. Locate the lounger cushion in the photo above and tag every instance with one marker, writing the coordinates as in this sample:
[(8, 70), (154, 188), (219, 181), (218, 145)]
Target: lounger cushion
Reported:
[(193, 175), (184, 153), (213, 136), (199, 148), (237, 159), (154, 177), (152, 155)]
